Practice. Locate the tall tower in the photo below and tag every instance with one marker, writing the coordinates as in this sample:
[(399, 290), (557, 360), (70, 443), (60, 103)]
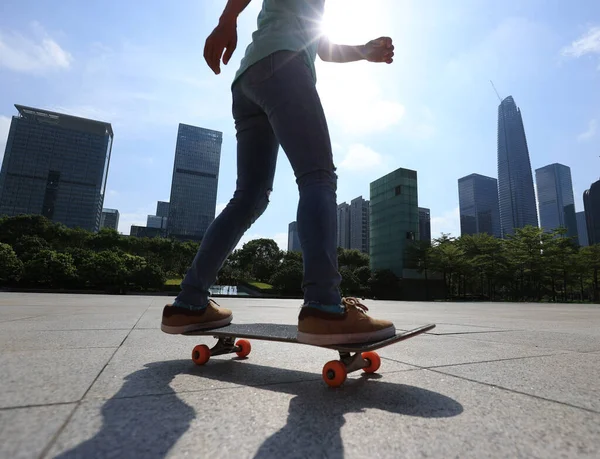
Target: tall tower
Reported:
[(591, 203), (515, 181), (555, 198), (478, 203), (56, 165), (343, 225), (359, 224), (195, 179)]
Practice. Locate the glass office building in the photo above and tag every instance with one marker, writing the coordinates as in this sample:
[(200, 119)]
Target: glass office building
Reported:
[(394, 219), (424, 225), (162, 209), (515, 180), (478, 205), (359, 224), (582, 234), (56, 165), (293, 238), (110, 219), (343, 225), (555, 198), (591, 203), (195, 179)]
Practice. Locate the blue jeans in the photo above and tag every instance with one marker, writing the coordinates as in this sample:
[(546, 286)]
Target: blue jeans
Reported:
[(276, 102)]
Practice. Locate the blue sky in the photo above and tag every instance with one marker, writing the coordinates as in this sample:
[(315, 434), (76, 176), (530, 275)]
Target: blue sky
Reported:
[(139, 66)]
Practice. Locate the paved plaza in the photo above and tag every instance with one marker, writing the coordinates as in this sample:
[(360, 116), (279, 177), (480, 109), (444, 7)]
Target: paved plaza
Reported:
[(86, 376)]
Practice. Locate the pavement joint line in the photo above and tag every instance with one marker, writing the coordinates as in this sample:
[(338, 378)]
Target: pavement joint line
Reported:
[(468, 332), (470, 363), (36, 405), (61, 429), (514, 391)]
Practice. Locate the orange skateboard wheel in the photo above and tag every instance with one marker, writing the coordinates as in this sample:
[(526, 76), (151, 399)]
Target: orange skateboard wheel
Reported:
[(201, 354), (245, 348), (334, 373), (374, 361)]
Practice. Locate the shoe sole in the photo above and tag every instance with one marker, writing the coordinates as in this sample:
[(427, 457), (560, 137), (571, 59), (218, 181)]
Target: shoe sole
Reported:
[(347, 338), (195, 327)]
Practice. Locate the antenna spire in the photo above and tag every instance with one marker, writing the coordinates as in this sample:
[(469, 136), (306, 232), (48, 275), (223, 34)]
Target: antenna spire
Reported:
[(497, 95)]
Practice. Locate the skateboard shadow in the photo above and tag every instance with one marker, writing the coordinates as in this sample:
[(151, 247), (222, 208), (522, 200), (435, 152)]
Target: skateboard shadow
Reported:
[(145, 418)]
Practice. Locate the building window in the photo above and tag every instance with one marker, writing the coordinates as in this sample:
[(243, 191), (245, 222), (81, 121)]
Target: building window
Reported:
[(398, 190)]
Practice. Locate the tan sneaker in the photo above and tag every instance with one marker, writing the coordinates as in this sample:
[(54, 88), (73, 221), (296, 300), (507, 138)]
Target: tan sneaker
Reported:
[(177, 320), (353, 326)]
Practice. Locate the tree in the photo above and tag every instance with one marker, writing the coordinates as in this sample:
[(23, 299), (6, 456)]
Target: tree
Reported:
[(350, 285), (287, 280), (352, 258), (51, 269), (260, 258), (10, 265), (105, 270), (384, 284), (26, 247)]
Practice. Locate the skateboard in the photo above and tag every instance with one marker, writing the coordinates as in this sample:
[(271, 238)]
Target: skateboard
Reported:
[(353, 357)]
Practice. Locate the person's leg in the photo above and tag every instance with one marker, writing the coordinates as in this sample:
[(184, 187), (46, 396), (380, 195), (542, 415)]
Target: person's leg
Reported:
[(290, 99), (256, 160), (257, 149)]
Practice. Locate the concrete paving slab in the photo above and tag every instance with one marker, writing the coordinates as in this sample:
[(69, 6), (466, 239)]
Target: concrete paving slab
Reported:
[(430, 351), (22, 340), (152, 362), (569, 378), (48, 376), (545, 339), (77, 321), (25, 432), (405, 414)]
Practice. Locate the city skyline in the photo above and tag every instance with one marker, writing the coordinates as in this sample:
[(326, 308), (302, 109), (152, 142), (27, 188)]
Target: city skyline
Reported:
[(434, 115)]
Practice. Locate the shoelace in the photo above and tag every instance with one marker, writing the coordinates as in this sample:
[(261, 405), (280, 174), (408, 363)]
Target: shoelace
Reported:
[(353, 302)]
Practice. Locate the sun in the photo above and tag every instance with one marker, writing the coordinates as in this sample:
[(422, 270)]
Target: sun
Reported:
[(348, 21)]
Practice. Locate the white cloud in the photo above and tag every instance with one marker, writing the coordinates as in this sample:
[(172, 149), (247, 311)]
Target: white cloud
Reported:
[(588, 43), (448, 222), (361, 158), (589, 132), (37, 54), (4, 127), (139, 217)]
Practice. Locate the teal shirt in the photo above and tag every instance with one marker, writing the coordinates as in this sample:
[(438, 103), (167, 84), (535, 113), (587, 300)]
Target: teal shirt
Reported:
[(286, 25)]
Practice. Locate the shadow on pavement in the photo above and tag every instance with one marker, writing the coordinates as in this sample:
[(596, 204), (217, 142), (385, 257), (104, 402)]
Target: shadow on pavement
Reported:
[(148, 426)]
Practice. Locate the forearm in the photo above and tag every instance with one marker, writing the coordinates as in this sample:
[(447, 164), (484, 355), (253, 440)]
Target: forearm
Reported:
[(331, 52), (233, 9)]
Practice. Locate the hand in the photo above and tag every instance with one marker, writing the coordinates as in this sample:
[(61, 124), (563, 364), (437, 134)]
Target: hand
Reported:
[(379, 50), (223, 38)]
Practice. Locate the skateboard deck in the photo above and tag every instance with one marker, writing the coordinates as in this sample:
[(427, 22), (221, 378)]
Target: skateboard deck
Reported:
[(353, 357)]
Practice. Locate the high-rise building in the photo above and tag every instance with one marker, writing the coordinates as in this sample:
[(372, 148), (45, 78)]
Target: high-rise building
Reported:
[(359, 224), (110, 219), (394, 219), (154, 221), (293, 239), (591, 203), (162, 209), (56, 165), (555, 198), (424, 225), (478, 205), (195, 179), (146, 231), (515, 181), (343, 225), (582, 229)]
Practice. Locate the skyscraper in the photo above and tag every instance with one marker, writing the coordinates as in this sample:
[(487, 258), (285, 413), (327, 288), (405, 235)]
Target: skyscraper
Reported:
[(359, 224), (162, 209), (424, 225), (293, 239), (110, 219), (195, 178), (343, 225), (515, 181), (56, 165), (478, 204), (161, 218), (394, 219), (555, 198), (582, 229), (591, 203)]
